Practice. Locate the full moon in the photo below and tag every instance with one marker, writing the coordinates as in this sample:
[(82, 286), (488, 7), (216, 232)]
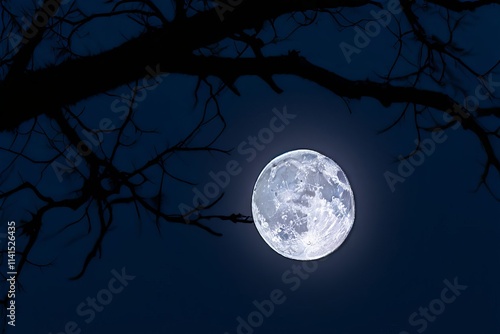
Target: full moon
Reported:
[(303, 205)]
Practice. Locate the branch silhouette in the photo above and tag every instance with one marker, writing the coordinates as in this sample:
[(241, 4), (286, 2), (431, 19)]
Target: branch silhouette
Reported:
[(217, 44)]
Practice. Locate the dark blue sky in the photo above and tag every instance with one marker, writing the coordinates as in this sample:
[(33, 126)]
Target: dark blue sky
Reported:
[(405, 247)]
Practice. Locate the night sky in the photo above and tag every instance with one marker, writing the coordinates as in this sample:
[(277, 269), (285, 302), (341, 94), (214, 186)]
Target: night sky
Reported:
[(434, 231)]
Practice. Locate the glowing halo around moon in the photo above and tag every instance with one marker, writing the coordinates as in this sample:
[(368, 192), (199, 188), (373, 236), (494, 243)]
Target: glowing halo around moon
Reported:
[(303, 205)]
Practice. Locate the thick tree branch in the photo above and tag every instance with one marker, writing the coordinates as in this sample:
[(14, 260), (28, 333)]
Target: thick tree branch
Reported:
[(228, 69), (51, 88)]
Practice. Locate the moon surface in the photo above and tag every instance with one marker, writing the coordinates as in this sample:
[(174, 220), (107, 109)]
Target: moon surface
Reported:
[(303, 205)]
